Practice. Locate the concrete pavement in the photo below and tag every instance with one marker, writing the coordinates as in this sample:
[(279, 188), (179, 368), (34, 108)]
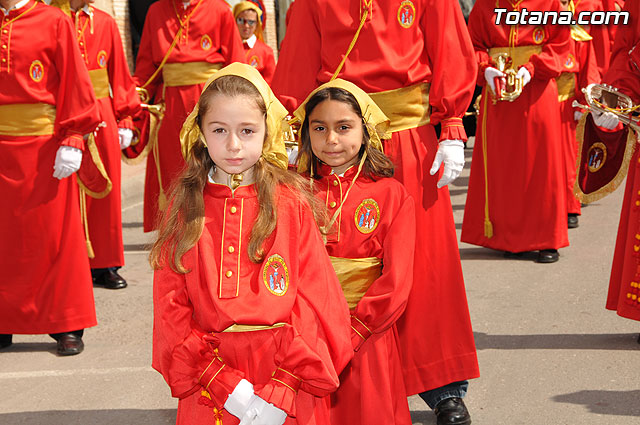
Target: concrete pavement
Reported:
[(549, 352)]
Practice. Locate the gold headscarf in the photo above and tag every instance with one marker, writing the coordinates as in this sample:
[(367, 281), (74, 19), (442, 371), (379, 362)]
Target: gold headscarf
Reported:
[(248, 5), (273, 149), (373, 116)]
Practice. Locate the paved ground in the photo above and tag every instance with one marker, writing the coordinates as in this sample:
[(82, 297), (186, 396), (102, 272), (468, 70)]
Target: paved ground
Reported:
[(549, 352)]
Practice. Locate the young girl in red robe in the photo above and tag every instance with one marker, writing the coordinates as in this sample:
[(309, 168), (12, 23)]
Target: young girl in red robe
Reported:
[(249, 318), (371, 241)]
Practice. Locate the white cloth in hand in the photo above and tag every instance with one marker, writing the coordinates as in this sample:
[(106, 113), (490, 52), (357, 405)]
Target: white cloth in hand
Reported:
[(525, 75), (238, 401), (451, 152), (262, 413), (126, 136), (68, 160), (607, 120), (577, 115), (490, 74)]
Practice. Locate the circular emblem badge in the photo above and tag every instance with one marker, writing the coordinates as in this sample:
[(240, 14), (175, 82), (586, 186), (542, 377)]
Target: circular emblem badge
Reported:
[(102, 59), (254, 61), (36, 71), (571, 61), (275, 275), (367, 216), (205, 42), (538, 35), (406, 13), (597, 156)]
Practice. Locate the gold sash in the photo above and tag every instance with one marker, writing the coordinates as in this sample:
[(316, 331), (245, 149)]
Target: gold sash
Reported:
[(356, 276), (519, 54), (251, 328), (27, 119), (406, 107), (188, 74), (100, 81), (566, 86)]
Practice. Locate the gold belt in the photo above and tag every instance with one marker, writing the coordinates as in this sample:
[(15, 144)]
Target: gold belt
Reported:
[(406, 107), (566, 86), (519, 54), (100, 81), (251, 328), (188, 74), (27, 119), (356, 276)]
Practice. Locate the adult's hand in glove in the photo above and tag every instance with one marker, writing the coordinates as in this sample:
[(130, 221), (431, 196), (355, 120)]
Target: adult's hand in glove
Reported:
[(451, 152), (68, 160), (490, 74), (524, 73), (577, 115), (262, 413), (126, 136), (606, 120)]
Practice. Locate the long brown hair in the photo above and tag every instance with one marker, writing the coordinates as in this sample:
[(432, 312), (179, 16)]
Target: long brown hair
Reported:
[(182, 223), (376, 164)]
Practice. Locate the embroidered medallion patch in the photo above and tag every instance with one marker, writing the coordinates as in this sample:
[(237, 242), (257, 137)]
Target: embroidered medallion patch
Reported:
[(538, 35), (597, 156), (254, 61), (367, 216), (205, 42), (275, 275), (406, 14), (36, 71), (102, 59), (571, 61)]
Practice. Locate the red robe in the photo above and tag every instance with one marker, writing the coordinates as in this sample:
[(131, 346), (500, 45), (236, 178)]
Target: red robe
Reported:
[(624, 291), (525, 163), (46, 285), (371, 387), (436, 340), (582, 68), (101, 48), (602, 34), (295, 285), (260, 56), (211, 36)]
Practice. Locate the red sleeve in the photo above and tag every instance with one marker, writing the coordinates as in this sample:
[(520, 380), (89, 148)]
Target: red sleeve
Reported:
[(480, 39), (319, 346), (269, 64), (386, 298), (182, 352), (589, 72), (299, 57), (126, 102), (550, 62), (77, 110), (449, 48), (145, 66), (230, 42)]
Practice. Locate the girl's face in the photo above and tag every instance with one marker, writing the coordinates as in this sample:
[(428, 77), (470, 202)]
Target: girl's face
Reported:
[(234, 128), (336, 134)]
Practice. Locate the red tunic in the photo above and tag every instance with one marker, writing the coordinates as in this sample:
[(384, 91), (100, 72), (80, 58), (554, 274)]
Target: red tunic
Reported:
[(46, 285), (624, 291), (371, 387), (261, 57), (436, 340), (525, 162), (602, 34), (295, 285), (101, 48), (581, 66), (211, 36)]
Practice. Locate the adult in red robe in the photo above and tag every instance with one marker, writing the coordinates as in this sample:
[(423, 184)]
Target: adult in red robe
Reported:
[(258, 54), (46, 105), (602, 37), (208, 40), (517, 189), (405, 51)]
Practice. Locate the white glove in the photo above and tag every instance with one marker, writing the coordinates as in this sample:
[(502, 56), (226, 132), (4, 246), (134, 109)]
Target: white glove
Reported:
[(451, 152), (292, 153), (262, 413), (606, 120), (238, 401), (68, 160), (577, 115), (126, 136), (490, 74), (525, 75)]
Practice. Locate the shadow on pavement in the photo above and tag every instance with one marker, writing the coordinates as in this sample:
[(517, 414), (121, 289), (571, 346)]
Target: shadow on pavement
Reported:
[(29, 347), (93, 417), (558, 342), (622, 403), (419, 417), (136, 247)]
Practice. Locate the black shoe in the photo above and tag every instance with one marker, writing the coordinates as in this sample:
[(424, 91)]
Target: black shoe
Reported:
[(5, 340), (572, 221), (452, 411), (70, 344), (110, 279), (548, 256)]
